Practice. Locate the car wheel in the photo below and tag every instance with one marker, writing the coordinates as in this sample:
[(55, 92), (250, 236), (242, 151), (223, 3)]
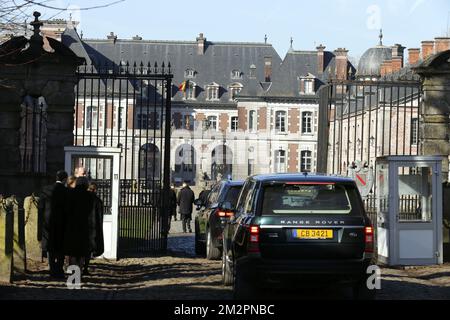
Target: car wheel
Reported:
[(362, 292), (199, 246), (212, 253), (242, 288), (227, 275)]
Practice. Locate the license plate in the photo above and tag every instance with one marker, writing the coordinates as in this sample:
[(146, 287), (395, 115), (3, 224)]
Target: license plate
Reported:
[(313, 234)]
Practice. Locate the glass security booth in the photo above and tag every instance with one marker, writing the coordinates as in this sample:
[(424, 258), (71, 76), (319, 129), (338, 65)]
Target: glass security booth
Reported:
[(409, 210)]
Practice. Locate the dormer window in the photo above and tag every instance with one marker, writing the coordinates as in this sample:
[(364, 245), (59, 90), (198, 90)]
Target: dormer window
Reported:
[(190, 73), (236, 74), (212, 92), (307, 85), (234, 90), (188, 89)]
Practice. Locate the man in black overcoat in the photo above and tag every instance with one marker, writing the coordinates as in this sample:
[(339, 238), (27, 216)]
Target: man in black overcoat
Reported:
[(79, 208), (51, 213), (185, 201)]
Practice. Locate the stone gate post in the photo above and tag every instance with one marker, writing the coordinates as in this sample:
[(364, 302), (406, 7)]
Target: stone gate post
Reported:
[(33, 78), (435, 110)]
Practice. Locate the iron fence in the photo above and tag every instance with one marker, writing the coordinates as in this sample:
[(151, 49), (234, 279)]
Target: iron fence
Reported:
[(128, 106)]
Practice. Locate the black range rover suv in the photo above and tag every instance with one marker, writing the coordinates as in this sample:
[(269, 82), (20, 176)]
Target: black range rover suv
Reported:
[(297, 230)]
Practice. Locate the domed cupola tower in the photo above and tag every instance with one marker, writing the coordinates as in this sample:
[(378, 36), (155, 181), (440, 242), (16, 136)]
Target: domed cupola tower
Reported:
[(369, 67)]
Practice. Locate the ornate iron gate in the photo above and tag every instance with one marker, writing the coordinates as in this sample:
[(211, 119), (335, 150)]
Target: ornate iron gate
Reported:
[(129, 107), (362, 120)]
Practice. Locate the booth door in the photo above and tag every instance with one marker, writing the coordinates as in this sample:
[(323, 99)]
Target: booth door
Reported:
[(417, 215), (101, 168)]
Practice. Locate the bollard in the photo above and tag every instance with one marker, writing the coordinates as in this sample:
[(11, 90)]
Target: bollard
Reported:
[(6, 242), (32, 244)]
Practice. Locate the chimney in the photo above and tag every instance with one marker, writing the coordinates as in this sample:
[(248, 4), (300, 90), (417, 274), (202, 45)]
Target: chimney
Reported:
[(201, 44), (383, 69), (112, 37), (398, 51), (341, 63), (397, 64), (268, 69), (427, 49), (413, 56), (320, 59), (388, 67), (442, 44)]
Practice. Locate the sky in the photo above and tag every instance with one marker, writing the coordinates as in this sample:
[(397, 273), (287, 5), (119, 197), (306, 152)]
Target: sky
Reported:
[(352, 24)]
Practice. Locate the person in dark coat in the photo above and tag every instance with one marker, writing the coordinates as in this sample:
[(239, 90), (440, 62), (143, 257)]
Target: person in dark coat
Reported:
[(185, 201), (52, 214), (96, 240), (79, 209)]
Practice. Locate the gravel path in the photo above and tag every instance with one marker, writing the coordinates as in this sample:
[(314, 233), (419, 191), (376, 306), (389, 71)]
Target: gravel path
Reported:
[(181, 275)]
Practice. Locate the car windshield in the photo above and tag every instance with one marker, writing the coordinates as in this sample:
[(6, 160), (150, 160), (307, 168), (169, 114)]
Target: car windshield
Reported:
[(297, 198), (232, 195)]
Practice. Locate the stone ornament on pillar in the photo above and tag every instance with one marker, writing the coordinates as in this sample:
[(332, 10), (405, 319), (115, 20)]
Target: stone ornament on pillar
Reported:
[(434, 120)]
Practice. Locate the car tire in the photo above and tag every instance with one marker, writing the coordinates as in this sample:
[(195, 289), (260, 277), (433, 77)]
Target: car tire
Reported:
[(362, 292), (212, 253), (227, 274), (199, 246), (242, 288)]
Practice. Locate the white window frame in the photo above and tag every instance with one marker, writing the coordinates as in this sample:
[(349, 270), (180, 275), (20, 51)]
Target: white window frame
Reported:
[(280, 161), (190, 91), (305, 116), (234, 89), (278, 121), (414, 131), (236, 74), (305, 156), (253, 125), (231, 123), (189, 73), (216, 122), (95, 111), (212, 92)]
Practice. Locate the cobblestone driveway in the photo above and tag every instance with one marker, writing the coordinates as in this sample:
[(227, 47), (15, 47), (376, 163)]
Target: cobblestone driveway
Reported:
[(181, 275)]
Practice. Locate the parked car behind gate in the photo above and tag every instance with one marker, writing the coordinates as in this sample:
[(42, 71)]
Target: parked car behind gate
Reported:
[(296, 230), (212, 217)]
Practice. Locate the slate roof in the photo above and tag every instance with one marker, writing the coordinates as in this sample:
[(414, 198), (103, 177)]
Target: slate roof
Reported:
[(215, 66)]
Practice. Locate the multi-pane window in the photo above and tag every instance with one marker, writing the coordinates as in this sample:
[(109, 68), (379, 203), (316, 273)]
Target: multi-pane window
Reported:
[(147, 121), (234, 124), (91, 117), (212, 92), (142, 119), (190, 91), (212, 121), (236, 74), (188, 122), (189, 73), (414, 131), (280, 161), (307, 119), (280, 121), (121, 118), (252, 120), (234, 90), (306, 161), (309, 86), (251, 167)]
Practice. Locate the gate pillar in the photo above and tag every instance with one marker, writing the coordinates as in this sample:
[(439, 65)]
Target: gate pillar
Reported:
[(435, 121)]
